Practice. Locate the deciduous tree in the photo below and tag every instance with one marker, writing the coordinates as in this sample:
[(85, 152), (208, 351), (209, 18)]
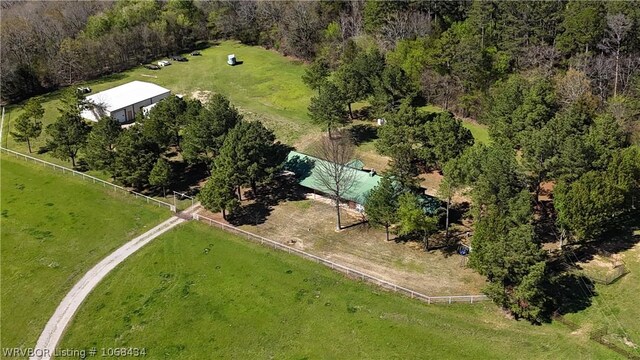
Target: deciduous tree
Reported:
[(618, 27), (333, 174), (413, 220)]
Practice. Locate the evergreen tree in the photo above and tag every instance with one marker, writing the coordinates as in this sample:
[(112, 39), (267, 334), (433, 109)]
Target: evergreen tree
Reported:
[(352, 84), (29, 125), (328, 108), (583, 26), (250, 155), (517, 107), (391, 88), (67, 136), (136, 156), (587, 206), (165, 121), (161, 175), (493, 173), (100, 148), (205, 132), (538, 151), (505, 251), (382, 204), (315, 76), (446, 139), (530, 299), (605, 136), (624, 172), (218, 194)]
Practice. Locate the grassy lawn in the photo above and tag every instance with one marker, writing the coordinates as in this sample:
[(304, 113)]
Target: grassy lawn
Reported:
[(243, 301), (267, 86), (480, 132), (53, 229), (615, 308)]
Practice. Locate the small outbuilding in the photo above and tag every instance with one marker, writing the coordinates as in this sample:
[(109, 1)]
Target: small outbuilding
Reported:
[(231, 59), (125, 101)]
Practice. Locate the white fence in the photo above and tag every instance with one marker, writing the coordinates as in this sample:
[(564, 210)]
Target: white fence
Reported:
[(346, 270), (89, 178)]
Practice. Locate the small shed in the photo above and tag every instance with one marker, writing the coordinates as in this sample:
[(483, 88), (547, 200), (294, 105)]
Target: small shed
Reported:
[(231, 59)]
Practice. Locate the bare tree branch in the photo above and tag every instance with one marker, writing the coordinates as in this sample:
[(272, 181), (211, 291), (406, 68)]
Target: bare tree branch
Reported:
[(333, 174)]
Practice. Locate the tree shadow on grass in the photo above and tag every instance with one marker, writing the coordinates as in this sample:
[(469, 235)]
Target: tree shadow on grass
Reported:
[(571, 293), (362, 133), (362, 113), (188, 177), (257, 210)]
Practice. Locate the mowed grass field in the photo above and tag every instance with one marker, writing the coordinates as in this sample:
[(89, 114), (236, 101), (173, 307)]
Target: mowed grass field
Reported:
[(266, 86), (200, 293), (615, 308), (53, 229)]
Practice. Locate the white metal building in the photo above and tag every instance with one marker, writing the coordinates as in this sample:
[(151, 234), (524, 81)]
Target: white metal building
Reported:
[(125, 101)]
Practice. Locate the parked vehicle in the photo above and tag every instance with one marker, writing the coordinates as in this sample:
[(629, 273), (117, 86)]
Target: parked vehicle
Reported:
[(163, 63), (196, 53), (152, 67), (179, 58)]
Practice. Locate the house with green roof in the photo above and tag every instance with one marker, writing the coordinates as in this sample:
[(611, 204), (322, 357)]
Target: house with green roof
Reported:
[(304, 167)]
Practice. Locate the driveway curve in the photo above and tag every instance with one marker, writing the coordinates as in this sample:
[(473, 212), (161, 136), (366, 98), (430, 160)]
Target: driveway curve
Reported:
[(46, 345)]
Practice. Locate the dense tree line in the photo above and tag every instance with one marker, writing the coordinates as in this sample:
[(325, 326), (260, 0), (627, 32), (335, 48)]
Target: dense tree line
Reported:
[(50, 44), (452, 53), (144, 156)]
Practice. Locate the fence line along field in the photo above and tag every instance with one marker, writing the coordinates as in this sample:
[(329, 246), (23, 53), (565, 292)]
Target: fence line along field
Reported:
[(352, 273), (55, 227), (198, 292), (83, 176)]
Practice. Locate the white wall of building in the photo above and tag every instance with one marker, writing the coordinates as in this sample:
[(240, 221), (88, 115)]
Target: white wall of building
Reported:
[(128, 113)]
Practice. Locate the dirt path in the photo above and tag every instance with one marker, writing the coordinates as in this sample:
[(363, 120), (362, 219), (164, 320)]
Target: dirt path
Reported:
[(45, 347)]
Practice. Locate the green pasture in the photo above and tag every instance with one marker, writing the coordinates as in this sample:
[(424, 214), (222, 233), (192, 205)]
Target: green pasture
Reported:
[(53, 229), (198, 292)]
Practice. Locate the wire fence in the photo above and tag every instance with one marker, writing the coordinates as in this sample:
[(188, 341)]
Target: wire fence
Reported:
[(618, 271), (84, 176), (352, 273)]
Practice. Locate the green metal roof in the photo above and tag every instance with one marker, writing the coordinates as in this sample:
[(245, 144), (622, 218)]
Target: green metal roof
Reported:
[(356, 164), (303, 166)]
